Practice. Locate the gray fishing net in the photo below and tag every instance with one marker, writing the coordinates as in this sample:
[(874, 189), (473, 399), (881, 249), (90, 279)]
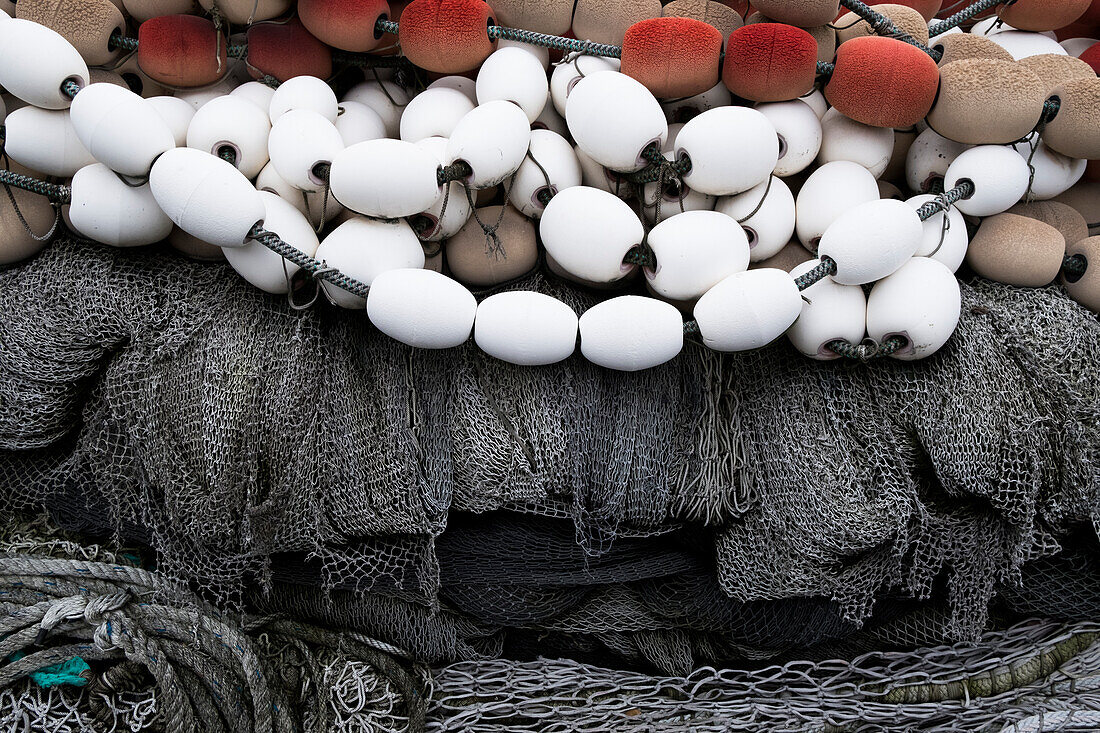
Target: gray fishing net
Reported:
[(720, 509), (181, 666)]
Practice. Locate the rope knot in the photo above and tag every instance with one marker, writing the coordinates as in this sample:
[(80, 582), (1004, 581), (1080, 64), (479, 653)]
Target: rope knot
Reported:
[(66, 609), (100, 612), (97, 609)]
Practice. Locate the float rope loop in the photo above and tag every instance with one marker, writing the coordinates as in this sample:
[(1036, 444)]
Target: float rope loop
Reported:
[(1075, 265), (945, 200), (121, 42), (868, 349), (497, 32), (961, 17), (459, 170), (942, 203), (314, 267), (883, 26), (660, 166)]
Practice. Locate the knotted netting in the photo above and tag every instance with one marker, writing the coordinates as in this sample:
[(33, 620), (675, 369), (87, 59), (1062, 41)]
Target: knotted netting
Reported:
[(155, 666), (743, 509)]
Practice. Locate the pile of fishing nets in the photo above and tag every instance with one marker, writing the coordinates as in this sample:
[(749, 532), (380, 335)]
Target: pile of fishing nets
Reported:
[(95, 642), (721, 510)]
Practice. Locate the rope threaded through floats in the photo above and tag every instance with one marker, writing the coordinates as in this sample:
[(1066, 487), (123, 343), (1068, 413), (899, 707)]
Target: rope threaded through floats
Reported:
[(496, 32), (945, 200), (867, 350), (120, 42), (819, 273), (314, 267), (70, 88), (54, 192), (883, 26), (961, 17), (1075, 265), (459, 170), (557, 43)]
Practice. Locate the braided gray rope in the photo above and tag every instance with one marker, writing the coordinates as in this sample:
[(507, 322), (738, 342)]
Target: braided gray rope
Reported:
[(555, 42), (883, 26), (314, 267), (54, 192), (961, 17), (208, 672)]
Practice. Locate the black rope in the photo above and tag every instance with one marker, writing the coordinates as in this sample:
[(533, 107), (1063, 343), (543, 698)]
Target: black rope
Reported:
[(868, 349), (883, 26), (54, 192), (945, 200), (961, 17), (313, 267), (460, 170), (1075, 265), (119, 41), (823, 270)]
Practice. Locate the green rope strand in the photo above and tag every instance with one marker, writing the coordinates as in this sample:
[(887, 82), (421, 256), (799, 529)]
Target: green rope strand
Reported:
[(867, 351), (570, 45), (1051, 107), (70, 88), (54, 192), (641, 256), (460, 170), (314, 267), (1075, 265), (824, 269), (385, 26), (961, 17), (121, 42), (883, 26)]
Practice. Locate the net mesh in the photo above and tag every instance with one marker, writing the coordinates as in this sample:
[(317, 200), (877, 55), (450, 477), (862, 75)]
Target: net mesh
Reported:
[(1036, 675), (717, 508)]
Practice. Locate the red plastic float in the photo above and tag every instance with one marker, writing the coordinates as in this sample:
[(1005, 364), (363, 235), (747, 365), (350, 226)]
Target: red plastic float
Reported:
[(181, 51), (285, 50), (883, 82), (673, 57), (770, 62), (447, 36), (1091, 56), (345, 24)]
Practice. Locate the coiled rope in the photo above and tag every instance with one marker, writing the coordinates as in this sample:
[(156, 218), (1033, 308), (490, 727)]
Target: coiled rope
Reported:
[(208, 671)]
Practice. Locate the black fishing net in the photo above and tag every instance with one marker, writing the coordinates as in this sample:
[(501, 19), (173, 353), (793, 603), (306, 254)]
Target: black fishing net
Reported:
[(720, 507)]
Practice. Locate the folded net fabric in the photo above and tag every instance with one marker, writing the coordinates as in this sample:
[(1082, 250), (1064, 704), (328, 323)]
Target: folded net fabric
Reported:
[(170, 403)]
